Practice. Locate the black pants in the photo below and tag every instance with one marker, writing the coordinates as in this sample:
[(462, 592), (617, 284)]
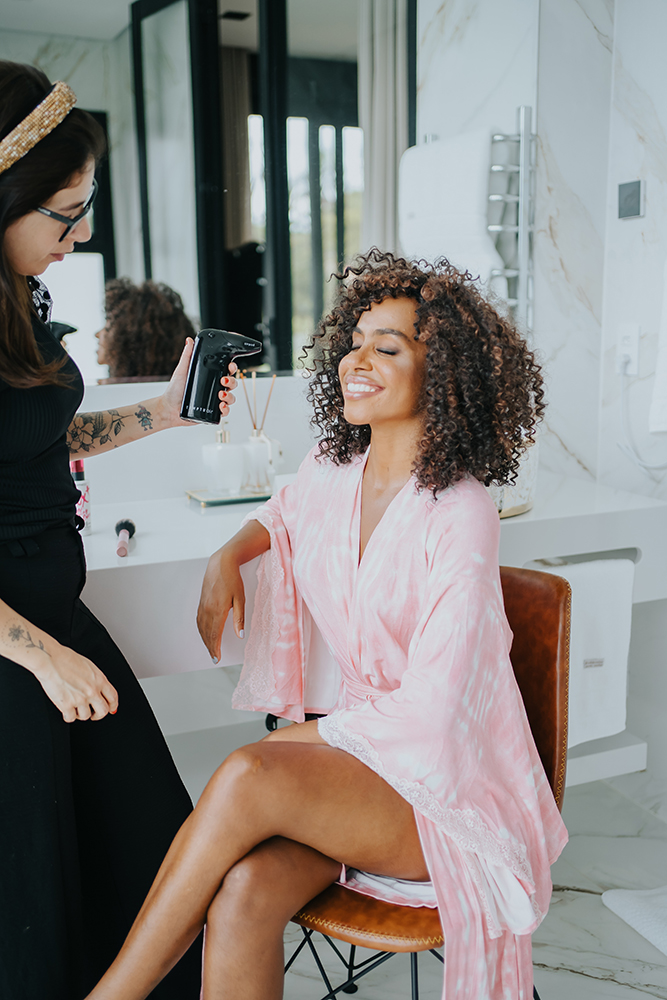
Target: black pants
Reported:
[(87, 809)]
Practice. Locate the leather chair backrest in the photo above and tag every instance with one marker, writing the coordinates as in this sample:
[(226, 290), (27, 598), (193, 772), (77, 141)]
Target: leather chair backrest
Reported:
[(538, 610)]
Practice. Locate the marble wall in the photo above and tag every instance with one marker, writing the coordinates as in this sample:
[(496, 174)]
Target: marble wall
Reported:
[(573, 92), (476, 64), (478, 61), (636, 249)]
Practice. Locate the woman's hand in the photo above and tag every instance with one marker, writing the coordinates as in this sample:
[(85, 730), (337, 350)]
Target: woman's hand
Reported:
[(222, 591), (75, 685), (171, 399)]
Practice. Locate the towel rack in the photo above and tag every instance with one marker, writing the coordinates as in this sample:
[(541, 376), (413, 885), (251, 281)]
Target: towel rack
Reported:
[(512, 210)]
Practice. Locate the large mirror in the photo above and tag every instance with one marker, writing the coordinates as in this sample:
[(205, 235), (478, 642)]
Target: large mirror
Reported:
[(236, 167), (291, 148), (166, 143)]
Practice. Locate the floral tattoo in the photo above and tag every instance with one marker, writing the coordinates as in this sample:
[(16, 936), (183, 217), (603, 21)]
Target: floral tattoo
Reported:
[(90, 429), (17, 633)]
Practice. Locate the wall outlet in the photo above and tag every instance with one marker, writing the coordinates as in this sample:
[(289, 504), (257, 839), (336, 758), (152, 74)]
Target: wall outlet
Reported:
[(628, 344)]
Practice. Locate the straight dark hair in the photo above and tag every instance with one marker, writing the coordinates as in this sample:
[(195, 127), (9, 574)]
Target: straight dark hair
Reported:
[(47, 168)]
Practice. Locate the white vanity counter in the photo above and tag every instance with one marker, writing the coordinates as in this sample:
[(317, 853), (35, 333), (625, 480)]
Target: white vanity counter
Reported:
[(168, 531), (575, 517)]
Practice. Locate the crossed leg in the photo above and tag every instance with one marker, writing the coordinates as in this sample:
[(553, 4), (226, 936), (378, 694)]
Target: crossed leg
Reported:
[(245, 923), (269, 832)]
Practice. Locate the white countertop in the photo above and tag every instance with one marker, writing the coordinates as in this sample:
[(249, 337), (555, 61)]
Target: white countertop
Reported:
[(575, 517), (167, 531), (564, 496)]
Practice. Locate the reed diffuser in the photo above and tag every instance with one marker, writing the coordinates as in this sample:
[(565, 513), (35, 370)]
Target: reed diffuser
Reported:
[(262, 453)]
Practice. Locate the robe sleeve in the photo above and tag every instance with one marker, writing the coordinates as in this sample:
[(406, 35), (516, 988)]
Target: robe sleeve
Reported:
[(272, 678)]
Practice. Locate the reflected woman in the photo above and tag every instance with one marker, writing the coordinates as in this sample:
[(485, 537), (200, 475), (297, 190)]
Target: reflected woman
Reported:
[(145, 331), (425, 770)]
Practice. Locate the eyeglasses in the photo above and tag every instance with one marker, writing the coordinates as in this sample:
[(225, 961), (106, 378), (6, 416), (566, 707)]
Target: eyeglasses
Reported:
[(67, 221)]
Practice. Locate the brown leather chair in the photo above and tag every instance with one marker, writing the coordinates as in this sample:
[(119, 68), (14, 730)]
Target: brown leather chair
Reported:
[(538, 611)]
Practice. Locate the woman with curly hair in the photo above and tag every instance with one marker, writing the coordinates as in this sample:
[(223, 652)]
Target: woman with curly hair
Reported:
[(145, 331), (423, 778)]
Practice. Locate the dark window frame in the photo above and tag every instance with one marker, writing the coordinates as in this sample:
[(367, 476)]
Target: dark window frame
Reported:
[(102, 240)]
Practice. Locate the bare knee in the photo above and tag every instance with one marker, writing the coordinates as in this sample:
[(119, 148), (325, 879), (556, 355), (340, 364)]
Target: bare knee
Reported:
[(251, 892), (237, 774)]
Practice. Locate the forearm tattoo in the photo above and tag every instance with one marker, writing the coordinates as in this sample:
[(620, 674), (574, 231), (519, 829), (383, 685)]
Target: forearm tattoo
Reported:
[(144, 417), (89, 431), (21, 637)]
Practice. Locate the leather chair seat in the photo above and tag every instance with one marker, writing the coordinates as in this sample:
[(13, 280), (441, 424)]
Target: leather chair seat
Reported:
[(371, 923)]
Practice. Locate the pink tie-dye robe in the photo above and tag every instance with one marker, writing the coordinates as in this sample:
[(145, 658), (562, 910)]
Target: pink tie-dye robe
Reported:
[(427, 698)]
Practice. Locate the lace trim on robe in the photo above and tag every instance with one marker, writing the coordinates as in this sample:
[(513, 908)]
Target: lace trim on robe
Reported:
[(258, 683), (468, 831)]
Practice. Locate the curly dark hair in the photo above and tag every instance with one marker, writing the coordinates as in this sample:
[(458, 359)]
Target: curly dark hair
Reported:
[(482, 395), (146, 329)]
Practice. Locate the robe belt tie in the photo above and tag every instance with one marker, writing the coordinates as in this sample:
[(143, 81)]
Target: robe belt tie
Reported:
[(364, 692)]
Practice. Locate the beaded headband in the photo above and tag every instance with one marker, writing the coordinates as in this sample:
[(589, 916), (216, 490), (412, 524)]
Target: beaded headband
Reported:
[(41, 120)]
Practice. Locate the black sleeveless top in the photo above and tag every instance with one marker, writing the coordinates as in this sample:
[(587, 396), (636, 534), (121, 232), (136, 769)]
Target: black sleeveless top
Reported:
[(36, 488)]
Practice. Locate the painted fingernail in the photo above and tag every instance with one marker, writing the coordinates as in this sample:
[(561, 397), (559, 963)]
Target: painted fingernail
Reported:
[(114, 711), (241, 633), (215, 659)]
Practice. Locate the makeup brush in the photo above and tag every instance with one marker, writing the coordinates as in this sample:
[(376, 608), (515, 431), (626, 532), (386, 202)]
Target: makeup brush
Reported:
[(125, 530)]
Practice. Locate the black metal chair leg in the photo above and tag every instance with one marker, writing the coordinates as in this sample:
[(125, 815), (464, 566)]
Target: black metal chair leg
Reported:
[(415, 976), (536, 995), (352, 988)]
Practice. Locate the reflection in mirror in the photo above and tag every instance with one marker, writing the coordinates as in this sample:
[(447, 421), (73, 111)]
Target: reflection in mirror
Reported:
[(170, 153), (244, 195), (325, 155), (316, 149)]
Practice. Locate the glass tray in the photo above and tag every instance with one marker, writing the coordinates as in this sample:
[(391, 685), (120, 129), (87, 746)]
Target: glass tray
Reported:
[(209, 498)]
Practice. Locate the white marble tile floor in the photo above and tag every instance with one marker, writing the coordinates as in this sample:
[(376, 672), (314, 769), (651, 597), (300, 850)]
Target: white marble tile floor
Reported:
[(581, 951)]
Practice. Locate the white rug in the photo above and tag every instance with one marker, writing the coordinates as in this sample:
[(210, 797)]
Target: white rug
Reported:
[(643, 909)]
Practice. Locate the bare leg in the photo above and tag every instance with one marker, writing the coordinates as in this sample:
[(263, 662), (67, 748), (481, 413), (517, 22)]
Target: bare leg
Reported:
[(247, 918), (313, 794)]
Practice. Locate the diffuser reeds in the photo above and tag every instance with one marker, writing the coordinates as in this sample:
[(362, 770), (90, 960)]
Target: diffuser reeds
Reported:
[(252, 410)]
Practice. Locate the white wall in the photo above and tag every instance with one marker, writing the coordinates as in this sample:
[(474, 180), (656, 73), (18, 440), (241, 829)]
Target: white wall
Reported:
[(573, 93), (635, 253), (636, 249), (476, 64)]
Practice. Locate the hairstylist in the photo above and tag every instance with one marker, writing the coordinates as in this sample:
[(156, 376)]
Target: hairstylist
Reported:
[(90, 798)]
